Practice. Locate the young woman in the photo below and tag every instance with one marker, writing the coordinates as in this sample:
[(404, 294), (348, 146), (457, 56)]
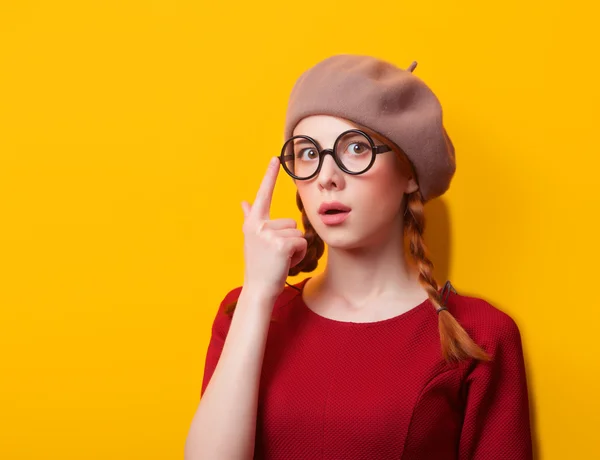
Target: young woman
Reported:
[(371, 359)]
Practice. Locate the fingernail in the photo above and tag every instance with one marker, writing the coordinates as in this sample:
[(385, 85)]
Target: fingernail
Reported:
[(274, 161)]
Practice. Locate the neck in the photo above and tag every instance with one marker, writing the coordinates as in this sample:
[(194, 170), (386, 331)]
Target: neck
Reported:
[(371, 272)]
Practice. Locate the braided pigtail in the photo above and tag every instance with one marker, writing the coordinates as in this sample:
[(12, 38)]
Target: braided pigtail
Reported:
[(456, 343), (314, 251), (315, 247)]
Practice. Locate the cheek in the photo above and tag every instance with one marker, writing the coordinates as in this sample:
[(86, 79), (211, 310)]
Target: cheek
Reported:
[(382, 192), (307, 194)]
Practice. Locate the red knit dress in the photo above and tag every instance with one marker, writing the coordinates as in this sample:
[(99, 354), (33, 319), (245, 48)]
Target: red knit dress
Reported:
[(381, 390)]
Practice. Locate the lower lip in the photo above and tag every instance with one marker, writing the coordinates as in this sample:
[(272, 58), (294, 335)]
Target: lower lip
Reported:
[(334, 219)]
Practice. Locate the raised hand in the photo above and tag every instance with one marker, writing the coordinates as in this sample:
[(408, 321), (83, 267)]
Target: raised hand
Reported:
[(271, 247)]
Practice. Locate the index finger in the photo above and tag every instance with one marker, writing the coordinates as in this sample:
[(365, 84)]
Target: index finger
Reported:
[(262, 204)]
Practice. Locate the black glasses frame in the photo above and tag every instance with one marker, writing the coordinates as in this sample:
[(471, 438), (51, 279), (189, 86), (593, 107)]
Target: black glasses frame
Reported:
[(375, 150)]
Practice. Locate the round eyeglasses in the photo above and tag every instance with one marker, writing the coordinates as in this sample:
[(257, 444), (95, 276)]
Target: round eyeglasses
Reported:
[(353, 151)]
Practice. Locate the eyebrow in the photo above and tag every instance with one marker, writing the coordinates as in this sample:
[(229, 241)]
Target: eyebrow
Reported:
[(302, 141)]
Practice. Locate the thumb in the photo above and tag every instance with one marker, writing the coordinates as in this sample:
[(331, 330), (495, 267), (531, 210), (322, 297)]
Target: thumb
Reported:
[(246, 208), (298, 255)]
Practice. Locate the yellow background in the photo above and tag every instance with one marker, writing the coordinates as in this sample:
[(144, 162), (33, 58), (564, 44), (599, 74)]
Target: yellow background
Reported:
[(130, 132)]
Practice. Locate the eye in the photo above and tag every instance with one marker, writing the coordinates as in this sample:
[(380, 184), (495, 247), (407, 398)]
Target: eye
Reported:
[(358, 148), (312, 154)]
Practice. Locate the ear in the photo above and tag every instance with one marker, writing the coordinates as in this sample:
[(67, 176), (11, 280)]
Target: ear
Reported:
[(412, 185)]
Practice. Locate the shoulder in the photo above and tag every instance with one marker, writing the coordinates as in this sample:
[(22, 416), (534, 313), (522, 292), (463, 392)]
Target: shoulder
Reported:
[(223, 318), (487, 324)]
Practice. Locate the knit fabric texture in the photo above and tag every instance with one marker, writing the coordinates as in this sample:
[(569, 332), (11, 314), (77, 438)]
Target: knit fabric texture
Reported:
[(342, 390)]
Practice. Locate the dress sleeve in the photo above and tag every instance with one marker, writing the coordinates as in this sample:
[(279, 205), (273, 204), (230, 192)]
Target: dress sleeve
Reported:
[(219, 330), (496, 422)]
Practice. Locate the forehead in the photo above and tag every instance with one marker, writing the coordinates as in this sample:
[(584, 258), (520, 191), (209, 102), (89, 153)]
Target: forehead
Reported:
[(326, 128)]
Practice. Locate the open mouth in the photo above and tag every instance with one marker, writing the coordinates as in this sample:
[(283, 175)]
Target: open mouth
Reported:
[(334, 215)]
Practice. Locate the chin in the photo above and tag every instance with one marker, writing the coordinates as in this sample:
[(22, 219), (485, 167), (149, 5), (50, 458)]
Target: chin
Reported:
[(347, 238), (340, 238)]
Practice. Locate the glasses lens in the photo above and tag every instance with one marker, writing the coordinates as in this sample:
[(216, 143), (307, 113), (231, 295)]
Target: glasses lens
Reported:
[(354, 151), (301, 157)]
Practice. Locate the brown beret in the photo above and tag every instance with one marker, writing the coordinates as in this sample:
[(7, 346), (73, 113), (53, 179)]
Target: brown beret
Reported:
[(387, 99)]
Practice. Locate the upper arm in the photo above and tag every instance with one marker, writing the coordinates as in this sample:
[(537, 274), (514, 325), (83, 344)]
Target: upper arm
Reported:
[(496, 421), (219, 329)]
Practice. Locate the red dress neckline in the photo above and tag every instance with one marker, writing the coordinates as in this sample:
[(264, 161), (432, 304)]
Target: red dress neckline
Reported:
[(318, 317)]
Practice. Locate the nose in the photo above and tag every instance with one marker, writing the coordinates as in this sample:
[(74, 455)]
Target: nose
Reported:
[(330, 176)]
